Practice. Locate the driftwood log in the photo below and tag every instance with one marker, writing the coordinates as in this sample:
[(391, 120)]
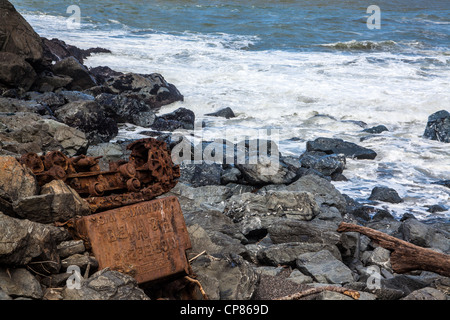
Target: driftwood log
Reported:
[(405, 256)]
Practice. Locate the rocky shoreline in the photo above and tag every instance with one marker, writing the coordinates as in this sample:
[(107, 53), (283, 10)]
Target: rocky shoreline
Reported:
[(254, 236)]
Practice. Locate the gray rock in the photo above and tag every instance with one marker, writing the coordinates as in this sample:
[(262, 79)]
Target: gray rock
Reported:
[(426, 293), (299, 278), (323, 191), (71, 247), (22, 241), (57, 203), (287, 253), (349, 149), (80, 260), (236, 279), (191, 199), (324, 267), (106, 285), (4, 296), (438, 126), (425, 235), (230, 175), (297, 205), (385, 194), (381, 257), (20, 283), (292, 230)]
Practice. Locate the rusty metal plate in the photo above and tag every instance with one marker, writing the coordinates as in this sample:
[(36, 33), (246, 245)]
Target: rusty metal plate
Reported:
[(147, 240)]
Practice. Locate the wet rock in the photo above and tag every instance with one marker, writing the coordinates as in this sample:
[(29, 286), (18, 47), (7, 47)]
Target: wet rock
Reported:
[(81, 78), (262, 165), (106, 285), (57, 50), (235, 277), (153, 89), (181, 118), (20, 283), (405, 283), (326, 164), (15, 72), (203, 174), (223, 113), (377, 129), (17, 36), (90, 118), (385, 194), (23, 241), (438, 126), (338, 146), (57, 203), (445, 183), (124, 109), (324, 267), (103, 73)]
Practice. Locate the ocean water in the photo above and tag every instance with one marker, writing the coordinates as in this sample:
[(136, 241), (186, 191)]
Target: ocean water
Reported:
[(308, 68)]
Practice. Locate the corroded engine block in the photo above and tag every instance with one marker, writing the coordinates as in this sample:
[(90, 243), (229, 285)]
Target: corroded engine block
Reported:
[(148, 173)]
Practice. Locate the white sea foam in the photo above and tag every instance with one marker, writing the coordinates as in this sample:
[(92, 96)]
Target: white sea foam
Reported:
[(287, 89)]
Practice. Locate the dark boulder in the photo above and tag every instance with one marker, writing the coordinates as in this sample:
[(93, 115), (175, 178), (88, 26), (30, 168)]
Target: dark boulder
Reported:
[(103, 73), (326, 164), (181, 118), (15, 72), (438, 126), (152, 88), (17, 36), (56, 50), (90, 118), (73, 68), (224, 113), (377, 129), (349, 149), (385, 194), (124, 109)]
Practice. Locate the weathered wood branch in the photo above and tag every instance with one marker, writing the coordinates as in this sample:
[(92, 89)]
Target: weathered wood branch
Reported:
[(405, 256), (348, 292)]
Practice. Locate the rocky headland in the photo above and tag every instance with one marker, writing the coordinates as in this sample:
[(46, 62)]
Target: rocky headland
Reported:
[(254, 236)]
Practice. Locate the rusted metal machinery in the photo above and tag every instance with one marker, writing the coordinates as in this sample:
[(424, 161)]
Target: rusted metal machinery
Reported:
[(126, 232), (149, 173)]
